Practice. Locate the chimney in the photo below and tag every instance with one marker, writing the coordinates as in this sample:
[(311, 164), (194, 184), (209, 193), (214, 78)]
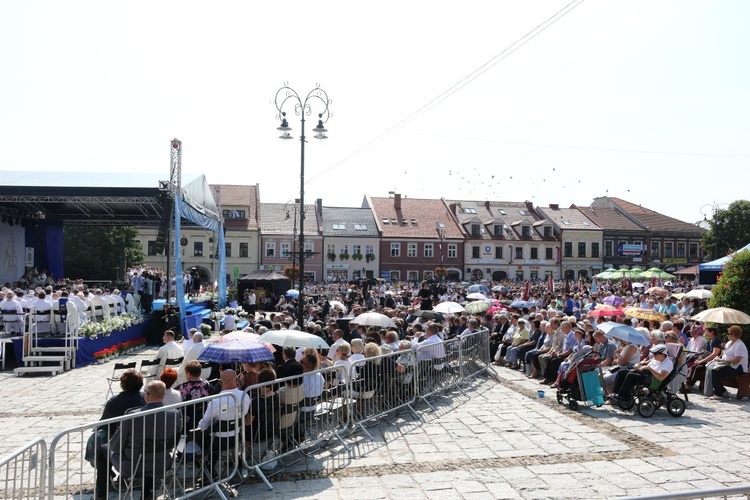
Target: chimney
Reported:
[(487, 204), (397, 201), (530, 206), (554, 206), (319, 207)]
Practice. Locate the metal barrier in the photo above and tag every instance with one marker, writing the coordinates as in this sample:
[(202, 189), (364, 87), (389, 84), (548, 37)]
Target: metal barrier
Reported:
[(178, 450), (735, 491), (383, 384), (474, 357), (438, 367), (291, 415), (23, 473), (196, 447)]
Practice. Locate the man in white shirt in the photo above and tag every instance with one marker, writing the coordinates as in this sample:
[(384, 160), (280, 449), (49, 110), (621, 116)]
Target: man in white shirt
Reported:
[(12, 311), (170, 349), (192, 352), (431, 348), (223, 411), (43, 313), (99, 307)]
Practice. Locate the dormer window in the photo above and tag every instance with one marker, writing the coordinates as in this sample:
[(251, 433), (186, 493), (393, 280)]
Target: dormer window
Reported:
[(525, 231), (547, 232), (475, 230)]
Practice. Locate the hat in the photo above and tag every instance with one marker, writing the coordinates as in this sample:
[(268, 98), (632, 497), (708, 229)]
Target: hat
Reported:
[(659, 349)]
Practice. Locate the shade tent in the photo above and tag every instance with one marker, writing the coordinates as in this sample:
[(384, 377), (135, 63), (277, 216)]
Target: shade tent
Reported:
[(709, 271), (264, 279)]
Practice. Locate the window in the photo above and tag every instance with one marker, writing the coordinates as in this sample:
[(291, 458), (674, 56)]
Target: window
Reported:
[(693, 250), (197, 249), (452, 250), (595, 250), (534, 275), (395, 275), (581, 249), (519, 252), (502, 212), (151, 248), (395, 251), (474, 252), (429, 250), (227, 249), (244, 250), (548, 253), (339, 227), (470, 210), (498, 230), (412, 275), (411, 249), (285, 249), (309, 249), (655, 249), (498, 252), (547, 232), (356, 249), (525, 231), (568, 249), (368, 249), (668, 245), (475, 229), (680, 250), (270, 249), (608, 248), (360, 227), (534, 253), (523, 212), (234, 214), (344, 249), (331, 249)]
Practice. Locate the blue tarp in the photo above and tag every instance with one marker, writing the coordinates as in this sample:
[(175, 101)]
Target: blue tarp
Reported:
[(718, 264)]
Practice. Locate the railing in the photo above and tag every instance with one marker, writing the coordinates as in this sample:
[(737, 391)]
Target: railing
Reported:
[(157, 450), (264, 428), (734, 491), (23, 472)]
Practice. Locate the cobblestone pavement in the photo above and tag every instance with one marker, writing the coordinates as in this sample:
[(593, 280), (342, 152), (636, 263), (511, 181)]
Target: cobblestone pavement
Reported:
[(498, 440)]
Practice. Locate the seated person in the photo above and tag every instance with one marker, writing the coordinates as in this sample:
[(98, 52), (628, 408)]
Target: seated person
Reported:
[(169, 377), (627, 355), (221, 414), (140, 448), (260, 422), (194, 388), (659, 367), (697, 372), (735, 360)]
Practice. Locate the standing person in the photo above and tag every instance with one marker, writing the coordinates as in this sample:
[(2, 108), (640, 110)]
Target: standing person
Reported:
[(425, 297), (252, 302)]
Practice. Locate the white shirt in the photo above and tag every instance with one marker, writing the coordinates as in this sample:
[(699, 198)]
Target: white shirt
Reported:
[(225, 409), (734, 349), (170, 350)]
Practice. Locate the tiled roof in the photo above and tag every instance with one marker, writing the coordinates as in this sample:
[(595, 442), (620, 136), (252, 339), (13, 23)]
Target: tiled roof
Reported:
[(568, 218), (342, 221), (273, 219), (508, 213), (415, 219), (609, 219), (239, 196), (655, 220)]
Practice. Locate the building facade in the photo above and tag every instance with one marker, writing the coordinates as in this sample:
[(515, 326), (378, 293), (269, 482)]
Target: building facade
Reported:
[(581, 241), (350, 242)]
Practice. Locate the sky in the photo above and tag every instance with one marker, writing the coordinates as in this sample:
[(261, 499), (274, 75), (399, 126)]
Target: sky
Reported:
[(548, 101)]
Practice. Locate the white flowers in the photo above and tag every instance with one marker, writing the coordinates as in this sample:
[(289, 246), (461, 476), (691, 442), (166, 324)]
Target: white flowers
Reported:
[(92, 329)]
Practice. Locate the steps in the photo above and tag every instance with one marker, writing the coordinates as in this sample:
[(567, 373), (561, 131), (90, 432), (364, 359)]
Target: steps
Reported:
[(52, 360)]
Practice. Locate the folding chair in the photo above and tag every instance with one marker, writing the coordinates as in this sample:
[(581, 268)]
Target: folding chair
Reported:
[(206, 367), (118, 370), (149, 368), (170, 362)]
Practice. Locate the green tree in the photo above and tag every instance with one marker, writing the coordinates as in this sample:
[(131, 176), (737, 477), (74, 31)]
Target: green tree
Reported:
[(730, 230), (732, 288), (100, 252)]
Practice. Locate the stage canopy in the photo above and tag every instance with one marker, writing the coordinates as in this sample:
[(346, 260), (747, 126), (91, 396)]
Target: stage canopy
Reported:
[(718, 264)]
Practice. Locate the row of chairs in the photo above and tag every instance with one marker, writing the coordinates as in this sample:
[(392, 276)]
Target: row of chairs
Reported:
[(149, 369)]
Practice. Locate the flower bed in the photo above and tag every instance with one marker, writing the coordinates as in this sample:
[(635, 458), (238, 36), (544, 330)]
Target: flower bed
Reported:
[(93, 329)]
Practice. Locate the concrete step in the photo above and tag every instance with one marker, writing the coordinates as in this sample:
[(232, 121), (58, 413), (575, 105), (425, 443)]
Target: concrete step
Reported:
[(52, 369), (52, 349), (45, 358)]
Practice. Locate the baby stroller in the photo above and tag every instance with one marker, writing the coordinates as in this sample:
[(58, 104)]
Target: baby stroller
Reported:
[(648, 399), (581, 381)]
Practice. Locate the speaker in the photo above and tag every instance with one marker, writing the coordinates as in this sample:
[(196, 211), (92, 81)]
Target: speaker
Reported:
[(166, 219)]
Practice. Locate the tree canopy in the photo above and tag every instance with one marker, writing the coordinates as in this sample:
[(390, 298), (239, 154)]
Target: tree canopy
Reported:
[(730, 230), (100, 252)]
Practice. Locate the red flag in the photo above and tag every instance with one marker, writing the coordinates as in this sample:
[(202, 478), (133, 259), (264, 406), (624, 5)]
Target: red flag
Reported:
[(527, 291), (551, 284)]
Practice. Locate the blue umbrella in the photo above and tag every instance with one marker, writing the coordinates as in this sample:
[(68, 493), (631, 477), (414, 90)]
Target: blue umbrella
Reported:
[(292, 293), (521, 304), (478, 289), (629, 334), (236, 351)]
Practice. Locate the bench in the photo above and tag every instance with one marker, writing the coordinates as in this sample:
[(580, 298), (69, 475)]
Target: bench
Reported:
[(740, 382)]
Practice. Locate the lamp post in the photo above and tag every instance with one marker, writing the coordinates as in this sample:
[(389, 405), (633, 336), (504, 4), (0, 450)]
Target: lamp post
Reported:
[(440, 228), (288, 97), (294, 230)]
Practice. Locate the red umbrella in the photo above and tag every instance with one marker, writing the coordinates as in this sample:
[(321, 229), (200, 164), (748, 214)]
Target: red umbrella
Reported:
[(596, 313)]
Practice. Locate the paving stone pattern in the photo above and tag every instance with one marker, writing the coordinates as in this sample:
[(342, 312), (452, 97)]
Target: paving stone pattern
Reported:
[(496, 440)]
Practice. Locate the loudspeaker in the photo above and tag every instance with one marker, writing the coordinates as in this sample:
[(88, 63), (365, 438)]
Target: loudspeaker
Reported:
[(166, 219)]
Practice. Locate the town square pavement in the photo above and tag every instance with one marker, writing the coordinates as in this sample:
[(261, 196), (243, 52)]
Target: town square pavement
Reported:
[(497, 439)]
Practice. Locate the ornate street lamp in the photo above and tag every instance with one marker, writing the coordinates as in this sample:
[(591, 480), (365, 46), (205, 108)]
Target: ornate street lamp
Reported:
[(288, 97)]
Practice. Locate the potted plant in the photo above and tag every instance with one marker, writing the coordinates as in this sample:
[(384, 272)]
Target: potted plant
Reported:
[(331, 256), (370, 257), (344, 256), (357, 256), (440, 272), (205, 330), (100, 356)]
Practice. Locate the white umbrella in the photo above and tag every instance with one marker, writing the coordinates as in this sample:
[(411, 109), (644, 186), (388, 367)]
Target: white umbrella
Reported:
[(476, 296), (373, 319), (723, 315), (335, 304), (293, 338), (699, 293), (449, 307)]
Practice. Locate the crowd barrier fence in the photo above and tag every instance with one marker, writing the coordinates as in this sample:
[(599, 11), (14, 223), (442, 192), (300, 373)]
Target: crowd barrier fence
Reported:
[(256, 431)]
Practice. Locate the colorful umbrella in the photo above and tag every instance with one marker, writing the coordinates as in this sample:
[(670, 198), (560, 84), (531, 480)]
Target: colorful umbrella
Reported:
[(655, 272), (643, 313), (238, 351), (478, 288), (657, 290), (629, 334), (607, 312)]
